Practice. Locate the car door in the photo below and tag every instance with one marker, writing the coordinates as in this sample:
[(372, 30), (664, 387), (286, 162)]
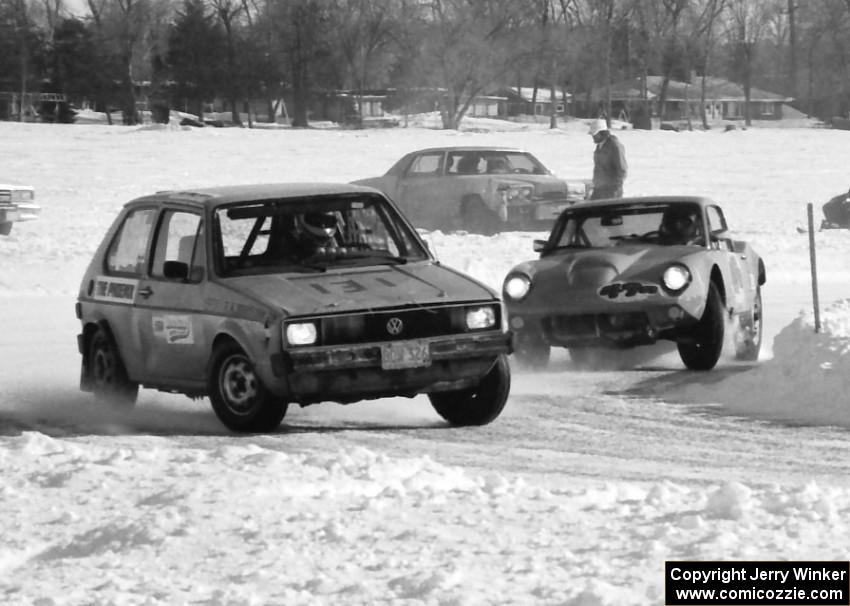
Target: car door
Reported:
[(117, 289), (169, 310), (731, 262), (421, 191)]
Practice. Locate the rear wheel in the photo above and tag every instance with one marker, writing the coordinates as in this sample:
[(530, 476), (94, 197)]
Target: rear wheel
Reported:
[(477, 405), (748, 346), (238, 396), (107, 373), (704, 350)]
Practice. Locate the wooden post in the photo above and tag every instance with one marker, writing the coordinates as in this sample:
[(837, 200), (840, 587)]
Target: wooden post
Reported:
[(813, 262)]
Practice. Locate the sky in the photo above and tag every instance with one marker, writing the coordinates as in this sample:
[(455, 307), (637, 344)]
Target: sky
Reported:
[(576, 495)]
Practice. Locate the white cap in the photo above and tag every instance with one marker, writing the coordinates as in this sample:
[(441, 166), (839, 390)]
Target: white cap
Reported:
[(597, 125)]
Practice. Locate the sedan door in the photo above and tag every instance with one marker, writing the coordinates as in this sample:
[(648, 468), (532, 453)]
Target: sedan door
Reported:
[(421, 192)]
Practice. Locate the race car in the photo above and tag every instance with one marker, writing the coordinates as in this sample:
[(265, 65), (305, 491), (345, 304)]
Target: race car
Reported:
[(626, 272), (16, 204), (258, 296)]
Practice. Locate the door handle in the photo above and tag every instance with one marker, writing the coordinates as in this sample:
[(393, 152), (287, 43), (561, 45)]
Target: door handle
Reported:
[(145, 292)]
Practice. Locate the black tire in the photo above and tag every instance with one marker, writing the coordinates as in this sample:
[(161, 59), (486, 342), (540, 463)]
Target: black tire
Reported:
[(107, 375), (531, 352), (704, 351), (477, 405), (239, 398), (477, 218), (752, 328)]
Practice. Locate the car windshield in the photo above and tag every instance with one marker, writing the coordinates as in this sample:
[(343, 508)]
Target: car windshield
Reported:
[(603, 226), (312, 234)]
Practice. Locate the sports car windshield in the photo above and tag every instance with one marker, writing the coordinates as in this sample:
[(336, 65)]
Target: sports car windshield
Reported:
[(312, 234), (604, 226)]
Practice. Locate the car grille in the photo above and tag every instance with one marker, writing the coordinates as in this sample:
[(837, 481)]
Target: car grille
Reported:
[(596, 325), (394, 325)]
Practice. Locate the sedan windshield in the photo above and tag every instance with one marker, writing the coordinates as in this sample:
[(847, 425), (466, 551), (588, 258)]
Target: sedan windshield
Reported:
[(603, 226), (312, 234)]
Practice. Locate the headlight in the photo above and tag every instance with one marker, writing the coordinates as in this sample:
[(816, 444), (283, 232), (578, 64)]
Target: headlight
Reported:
[(479, 318), (676, 277), (301, 333), (517, 286), (517, 195), (577, 189)]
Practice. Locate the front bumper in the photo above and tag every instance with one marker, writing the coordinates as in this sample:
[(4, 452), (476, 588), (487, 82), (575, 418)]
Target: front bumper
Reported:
[(10, 213), (354, 372), (538, 213), (623, 327)]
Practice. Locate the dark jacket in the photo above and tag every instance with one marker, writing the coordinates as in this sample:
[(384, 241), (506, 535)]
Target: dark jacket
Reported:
[(609, 168)]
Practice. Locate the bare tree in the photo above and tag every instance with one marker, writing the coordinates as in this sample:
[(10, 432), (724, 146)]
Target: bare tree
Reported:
[(125, 29), (469, 47), (228, 11), (364, 34), (747, 28)]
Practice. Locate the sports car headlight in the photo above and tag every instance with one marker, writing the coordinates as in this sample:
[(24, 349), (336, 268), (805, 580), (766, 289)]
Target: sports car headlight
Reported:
[(479, 318), (676, 278), (517, 286), (301, 333)]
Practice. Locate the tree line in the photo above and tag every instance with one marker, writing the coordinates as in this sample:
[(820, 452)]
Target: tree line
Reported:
[(194, 51)]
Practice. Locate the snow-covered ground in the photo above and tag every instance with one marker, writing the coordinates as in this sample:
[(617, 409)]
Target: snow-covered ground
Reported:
[(576, 495)]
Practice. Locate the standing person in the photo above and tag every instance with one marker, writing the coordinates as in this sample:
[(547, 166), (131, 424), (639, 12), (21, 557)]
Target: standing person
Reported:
[(609, 162)]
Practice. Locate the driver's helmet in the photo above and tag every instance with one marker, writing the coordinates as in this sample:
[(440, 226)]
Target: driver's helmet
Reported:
[(679, 224), (321, 226)]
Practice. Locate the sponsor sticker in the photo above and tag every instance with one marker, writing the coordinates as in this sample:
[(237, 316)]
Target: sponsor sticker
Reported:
[(174, 329), (115, 290), (628, 290)]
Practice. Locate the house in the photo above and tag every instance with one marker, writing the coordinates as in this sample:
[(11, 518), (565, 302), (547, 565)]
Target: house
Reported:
[(488, 106), (522, 100), (724, 100)]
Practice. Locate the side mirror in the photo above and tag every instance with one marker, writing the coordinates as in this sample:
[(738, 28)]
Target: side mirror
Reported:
[(717, 234), (539, 245), (175, 270)]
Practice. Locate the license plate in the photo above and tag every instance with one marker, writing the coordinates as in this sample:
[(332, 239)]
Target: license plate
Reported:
[(549, 211), (405, 354)]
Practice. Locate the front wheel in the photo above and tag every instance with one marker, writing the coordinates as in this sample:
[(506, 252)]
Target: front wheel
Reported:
[(477, 405), (107, 373), (238, 396), (704, 350)]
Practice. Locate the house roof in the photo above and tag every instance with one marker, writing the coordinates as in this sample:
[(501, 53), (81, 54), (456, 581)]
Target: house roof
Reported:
[(716, 89), (544, 94)]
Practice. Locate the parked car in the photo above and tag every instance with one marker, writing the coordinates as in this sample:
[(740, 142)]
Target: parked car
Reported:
[(478, 189), (628, 272), (17, 203), (258, 296)]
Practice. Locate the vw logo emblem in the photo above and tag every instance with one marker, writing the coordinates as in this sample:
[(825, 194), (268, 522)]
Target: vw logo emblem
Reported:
[(395, 326)]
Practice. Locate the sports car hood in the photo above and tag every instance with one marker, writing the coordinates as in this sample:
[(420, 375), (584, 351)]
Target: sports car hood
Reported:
[(362, 288), (597, 267)]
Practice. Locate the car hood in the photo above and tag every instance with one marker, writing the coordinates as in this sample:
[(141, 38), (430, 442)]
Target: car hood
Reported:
[(359, 289), (597, 267)]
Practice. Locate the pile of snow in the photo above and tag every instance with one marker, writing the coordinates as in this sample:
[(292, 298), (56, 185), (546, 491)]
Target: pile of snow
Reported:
[(806, 382)]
